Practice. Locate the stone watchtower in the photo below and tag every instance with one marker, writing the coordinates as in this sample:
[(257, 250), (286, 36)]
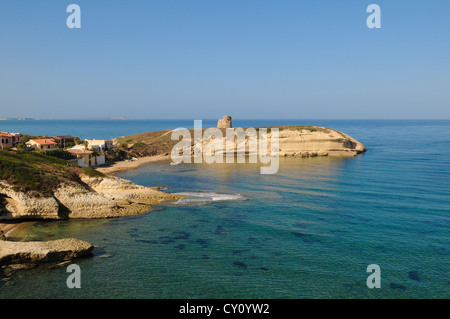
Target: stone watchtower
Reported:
[(225, 122)]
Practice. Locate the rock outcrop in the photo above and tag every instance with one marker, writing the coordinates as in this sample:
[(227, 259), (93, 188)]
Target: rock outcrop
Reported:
[(99, 197), (18, 204), (43, 251), (299, 141), (317, 141), (225, 122)]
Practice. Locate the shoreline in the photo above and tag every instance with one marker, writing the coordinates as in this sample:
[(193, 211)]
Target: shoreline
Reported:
[(10, 227), (130, 164)]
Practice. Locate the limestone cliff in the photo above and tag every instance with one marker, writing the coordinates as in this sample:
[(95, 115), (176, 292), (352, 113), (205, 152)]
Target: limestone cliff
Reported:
[(300, 141), (317, 141), (99, 197)]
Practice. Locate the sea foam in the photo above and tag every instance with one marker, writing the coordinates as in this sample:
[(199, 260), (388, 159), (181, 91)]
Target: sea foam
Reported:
[(201, 198)]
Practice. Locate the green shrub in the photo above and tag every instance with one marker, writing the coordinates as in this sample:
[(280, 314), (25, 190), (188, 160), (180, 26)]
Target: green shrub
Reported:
[(61, 154), (34, 172), (139, 145)]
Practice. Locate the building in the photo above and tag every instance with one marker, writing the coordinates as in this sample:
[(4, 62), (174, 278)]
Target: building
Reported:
[(9, 139), (86, 158), (101, 145), (78, 147), (64, 140), (47, 144)]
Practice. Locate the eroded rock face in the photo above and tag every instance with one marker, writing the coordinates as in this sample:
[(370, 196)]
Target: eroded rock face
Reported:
[(39, 251), (225, 122), (100, 197), (79, 202), (300, 142), (122, 191), (317, 142), (21, 205)]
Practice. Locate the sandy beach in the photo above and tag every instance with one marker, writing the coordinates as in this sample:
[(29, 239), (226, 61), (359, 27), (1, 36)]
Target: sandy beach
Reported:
[(131, 164), (9, 226)]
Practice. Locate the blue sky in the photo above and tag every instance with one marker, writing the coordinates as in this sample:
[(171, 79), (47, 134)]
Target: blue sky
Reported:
[(247, 58)]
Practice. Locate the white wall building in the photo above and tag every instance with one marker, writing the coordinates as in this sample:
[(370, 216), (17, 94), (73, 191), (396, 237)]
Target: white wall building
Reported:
[(101, 145), (46, 144), (86, 158)]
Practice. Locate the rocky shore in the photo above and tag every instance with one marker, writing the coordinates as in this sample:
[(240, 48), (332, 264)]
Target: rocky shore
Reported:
[(31, 253), (96, 197), (99, 197)]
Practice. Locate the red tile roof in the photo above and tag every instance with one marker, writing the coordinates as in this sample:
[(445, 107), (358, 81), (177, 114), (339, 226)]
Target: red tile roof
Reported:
[(46, 141)]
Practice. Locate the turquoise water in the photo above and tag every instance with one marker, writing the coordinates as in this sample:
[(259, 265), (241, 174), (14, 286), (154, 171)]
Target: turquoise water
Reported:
[(309, 231)]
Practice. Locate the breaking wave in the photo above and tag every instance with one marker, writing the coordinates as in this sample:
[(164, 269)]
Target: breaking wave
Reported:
[(199, 198)]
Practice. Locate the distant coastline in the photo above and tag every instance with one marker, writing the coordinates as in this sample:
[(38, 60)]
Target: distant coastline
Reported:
[(80, 119)]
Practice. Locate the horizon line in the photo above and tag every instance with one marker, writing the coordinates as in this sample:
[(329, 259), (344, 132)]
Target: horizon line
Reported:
[(24, 119)]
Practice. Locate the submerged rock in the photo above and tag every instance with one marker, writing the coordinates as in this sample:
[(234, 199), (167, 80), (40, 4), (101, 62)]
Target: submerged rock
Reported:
[(414, 275), (240, 264), (397, 286), (106, 256), (60, 265), (22, 266)]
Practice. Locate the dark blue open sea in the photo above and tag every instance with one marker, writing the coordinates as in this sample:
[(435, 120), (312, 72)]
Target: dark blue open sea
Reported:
[(309, 231)]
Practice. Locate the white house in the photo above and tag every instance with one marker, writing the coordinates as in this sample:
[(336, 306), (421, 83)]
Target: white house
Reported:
[(86, 158), (46, 144), (101, 145)]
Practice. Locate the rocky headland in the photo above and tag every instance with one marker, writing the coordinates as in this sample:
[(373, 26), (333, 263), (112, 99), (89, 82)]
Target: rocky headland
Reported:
[(39, 187), (296, 141), (99, 197)]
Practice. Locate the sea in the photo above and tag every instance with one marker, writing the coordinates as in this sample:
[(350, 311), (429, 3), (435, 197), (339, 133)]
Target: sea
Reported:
[(309, 231)]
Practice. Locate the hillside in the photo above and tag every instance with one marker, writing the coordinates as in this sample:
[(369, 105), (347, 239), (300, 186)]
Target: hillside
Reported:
[(35, 172)]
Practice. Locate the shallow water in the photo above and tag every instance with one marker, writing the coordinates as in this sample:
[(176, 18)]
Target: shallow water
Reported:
[(309, 231)]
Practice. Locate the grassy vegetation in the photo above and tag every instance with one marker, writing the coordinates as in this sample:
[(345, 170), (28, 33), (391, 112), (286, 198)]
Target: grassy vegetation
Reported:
[(38, 173), (89, 171), (139, 145), (148, 144), (116, 154), (309, 128), (60, 154)]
